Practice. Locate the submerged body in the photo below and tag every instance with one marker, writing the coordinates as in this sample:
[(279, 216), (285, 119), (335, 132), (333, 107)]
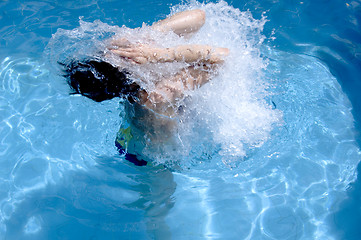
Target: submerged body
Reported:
[(152, 118), (151, 113)]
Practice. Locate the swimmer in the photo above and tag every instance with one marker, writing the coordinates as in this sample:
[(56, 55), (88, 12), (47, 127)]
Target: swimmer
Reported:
[(151, 113)]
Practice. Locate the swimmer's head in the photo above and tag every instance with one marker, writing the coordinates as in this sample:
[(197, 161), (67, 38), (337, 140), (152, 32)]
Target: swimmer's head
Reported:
[(98, 80)]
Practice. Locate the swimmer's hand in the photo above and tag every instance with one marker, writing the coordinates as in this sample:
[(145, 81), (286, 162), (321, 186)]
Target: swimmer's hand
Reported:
[(119, 42), (139, 53)]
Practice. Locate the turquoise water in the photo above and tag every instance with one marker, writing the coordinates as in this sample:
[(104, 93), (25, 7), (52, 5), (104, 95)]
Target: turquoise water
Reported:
[(273, 155)]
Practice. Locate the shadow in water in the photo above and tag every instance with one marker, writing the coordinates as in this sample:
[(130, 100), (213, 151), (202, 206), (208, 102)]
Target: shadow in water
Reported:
[(114, 199)]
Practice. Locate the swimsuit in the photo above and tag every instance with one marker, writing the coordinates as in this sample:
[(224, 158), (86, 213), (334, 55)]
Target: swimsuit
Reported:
[(121, 142)]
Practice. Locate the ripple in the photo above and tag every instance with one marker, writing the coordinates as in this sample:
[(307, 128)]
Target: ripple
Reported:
[(32, 226), (30, 172), (281, 223)]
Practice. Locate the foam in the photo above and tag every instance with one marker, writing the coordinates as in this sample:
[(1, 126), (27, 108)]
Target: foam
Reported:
[(231, 108)]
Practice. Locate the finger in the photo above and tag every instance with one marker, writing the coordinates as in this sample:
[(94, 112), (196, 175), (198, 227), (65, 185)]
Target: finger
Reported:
[(132, 61), (128, 50), (121, 42), (123, 53), (141, 60)]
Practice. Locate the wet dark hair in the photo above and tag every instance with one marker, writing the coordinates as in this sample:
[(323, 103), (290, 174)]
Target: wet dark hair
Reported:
[(98, 80)]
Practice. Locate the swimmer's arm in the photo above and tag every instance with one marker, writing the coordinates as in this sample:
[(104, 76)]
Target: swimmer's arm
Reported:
[(173, 88), (182, 23), (185, 53), (192, 77), (194, 53)]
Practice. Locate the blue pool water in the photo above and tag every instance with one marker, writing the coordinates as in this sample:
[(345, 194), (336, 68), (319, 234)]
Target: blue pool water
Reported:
[(274, 155)]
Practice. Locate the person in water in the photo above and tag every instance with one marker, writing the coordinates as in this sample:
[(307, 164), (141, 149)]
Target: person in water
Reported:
[(151, 113)]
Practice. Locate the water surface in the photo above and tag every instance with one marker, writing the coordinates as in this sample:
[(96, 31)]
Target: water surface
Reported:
[(280, 178)]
